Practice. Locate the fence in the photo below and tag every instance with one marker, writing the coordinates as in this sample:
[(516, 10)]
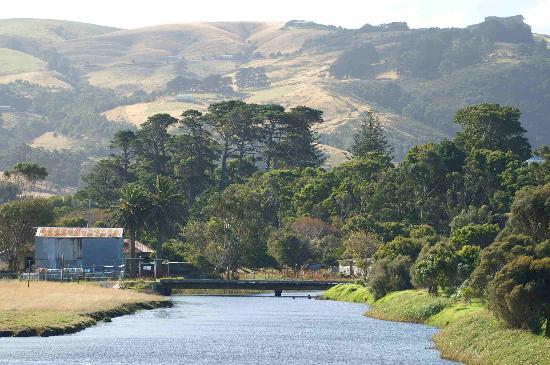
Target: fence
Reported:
[(74, 271)]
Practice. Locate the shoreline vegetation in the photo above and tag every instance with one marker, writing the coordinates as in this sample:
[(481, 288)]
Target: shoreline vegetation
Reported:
[(51, 309), (469, 333)]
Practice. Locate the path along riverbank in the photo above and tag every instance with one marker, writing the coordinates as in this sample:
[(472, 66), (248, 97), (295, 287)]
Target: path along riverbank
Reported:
[(469, 333), (49, 309)]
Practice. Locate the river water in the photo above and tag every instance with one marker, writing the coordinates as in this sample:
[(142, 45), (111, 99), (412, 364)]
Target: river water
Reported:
[(258, 329)]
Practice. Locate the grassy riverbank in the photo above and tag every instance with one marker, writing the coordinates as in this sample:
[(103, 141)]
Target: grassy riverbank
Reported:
[(47, 309), (469, 332)]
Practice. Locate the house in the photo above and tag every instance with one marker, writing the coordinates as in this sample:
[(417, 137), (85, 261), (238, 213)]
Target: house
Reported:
[(85, 248), (348, 268)]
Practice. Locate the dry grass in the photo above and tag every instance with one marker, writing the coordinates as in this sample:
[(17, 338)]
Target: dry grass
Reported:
[(55, 308), (53, 141), (66, 297)]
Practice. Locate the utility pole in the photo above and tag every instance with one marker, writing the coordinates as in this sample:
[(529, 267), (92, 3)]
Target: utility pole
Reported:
[(62, 266), (29, 274)]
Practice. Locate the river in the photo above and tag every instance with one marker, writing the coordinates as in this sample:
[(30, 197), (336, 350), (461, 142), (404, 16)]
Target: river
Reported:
[(258, 329)]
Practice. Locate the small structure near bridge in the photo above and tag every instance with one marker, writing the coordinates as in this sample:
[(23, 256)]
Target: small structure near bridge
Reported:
[(78, 247)]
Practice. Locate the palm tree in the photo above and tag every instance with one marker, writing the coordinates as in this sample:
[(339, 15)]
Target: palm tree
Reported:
[(130, 213), (165, 207)]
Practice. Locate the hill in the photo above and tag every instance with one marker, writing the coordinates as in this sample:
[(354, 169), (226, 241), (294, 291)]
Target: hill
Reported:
[(83, 81)]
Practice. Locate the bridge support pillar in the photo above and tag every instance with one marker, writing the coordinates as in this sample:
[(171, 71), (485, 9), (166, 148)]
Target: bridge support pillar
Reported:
[(278, 292)]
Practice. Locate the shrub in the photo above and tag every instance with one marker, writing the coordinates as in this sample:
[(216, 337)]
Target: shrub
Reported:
[(520, 294)]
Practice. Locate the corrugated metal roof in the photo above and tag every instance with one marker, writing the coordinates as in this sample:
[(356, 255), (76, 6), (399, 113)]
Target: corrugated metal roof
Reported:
[(140, 247), (70, 232)]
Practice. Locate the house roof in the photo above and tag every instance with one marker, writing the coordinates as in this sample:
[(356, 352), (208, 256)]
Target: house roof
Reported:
[(72, 232), (140, 247)]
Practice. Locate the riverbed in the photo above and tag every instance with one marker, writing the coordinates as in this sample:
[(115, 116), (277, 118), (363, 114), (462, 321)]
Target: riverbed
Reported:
[(260, 329)]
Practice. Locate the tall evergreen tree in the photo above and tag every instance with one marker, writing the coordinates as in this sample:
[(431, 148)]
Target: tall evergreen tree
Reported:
[(122, 145), (370, 137), (194, 153)]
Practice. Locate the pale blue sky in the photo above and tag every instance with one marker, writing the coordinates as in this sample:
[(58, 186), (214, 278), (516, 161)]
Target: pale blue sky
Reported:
[(347, 13)]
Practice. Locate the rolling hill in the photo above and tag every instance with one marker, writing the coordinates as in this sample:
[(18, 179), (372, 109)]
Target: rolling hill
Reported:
[(80, 82)]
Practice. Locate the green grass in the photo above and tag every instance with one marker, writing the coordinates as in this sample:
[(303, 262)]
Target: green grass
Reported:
[(474, 336), (469, 332), (349, 293), (13, 62), (415, 306)]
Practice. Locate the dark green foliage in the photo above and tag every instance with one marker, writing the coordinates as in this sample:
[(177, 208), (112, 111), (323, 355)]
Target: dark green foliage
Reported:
[(18, 220), (288, 249), (356, 63), (211, 83), (435, 268), (481, 235), (520, 293), (387, 275), (370, 138), (31, 172), (400, 246), (492, 127), (531, 213), (509, 29), (494, 257), (73, 222), (471, 215), (8, 191), (251, 77)]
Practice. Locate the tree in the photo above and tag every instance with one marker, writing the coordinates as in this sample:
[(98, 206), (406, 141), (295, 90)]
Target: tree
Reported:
[(471, 215), (403, 246), (520, 293), (18, 220), (103, 183), (236, 229), (231, 122), (361, 247), (298, 148), (123, 144), (130, 213), (165, 205), (497, 255), (194, 153), (28, 172), (356, 63), (288, 249), (273, 128), (530, 213), (387, 275), (481, 235), (251, 77), (493, 127), (74, 222), (370, 138), (436, 267), (8, 191), (151, 142)]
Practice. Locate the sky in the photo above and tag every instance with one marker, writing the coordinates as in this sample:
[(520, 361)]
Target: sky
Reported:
[(346, 13)]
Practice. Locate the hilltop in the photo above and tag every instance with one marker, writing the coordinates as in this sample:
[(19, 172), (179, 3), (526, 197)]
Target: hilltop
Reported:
[(82, 81)]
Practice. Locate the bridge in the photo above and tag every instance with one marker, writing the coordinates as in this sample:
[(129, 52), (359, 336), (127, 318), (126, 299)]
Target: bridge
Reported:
[(165, 286)]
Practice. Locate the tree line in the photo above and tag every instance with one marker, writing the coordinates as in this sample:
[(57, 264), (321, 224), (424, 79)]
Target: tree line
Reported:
[(241, 187)]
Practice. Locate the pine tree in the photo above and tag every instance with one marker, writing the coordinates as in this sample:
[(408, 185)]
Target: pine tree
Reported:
[(370, 138)]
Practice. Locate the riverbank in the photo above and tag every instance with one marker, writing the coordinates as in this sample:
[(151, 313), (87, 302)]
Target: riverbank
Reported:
[(469, 333), (49, 309)]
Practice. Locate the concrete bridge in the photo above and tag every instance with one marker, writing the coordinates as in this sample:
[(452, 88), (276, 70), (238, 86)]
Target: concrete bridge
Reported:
[(165, 286)]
